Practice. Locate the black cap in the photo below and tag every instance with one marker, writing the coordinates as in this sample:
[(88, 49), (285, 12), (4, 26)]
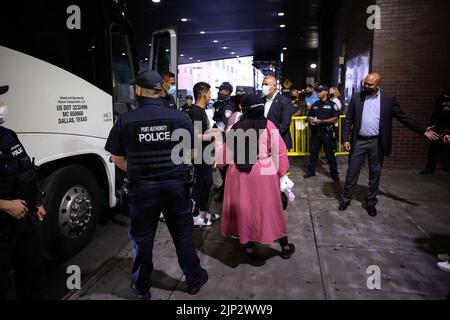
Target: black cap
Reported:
[(226, 86), (189, 97), (323, 87), (4, 89), (149, 80)]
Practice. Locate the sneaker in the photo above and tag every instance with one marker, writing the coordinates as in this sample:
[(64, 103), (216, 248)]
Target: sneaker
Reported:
[(161, 218), (194, 289), (443, 257), (199, 221), (445, 266), (141, 295), (209, 216)]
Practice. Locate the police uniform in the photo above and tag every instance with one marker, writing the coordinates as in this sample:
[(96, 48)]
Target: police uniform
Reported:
[(20, 246), (322, 134), (157, 184)]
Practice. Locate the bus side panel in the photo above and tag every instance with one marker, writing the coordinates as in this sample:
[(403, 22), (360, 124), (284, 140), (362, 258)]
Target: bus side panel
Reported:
[(59, 147)]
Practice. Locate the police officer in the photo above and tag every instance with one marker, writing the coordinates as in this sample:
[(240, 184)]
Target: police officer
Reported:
[(224, 107), (20, 246), (322, 118), (141, 145), (187, 106)]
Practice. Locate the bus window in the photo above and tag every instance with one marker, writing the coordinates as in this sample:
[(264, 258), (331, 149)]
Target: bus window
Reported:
[(122, 71), (164, 51)]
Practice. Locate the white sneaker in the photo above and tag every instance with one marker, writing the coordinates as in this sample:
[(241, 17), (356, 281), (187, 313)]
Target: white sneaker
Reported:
[(209, 216), (199, 221), (445, 266), (443, 257)]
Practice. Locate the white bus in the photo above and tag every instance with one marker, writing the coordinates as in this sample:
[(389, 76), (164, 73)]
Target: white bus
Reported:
[(71, 66)]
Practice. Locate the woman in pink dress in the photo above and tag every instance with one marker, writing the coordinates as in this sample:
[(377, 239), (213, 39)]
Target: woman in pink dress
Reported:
[(252, 208)]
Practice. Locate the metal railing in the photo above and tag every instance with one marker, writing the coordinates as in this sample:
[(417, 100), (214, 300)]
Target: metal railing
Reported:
[(300, 134)]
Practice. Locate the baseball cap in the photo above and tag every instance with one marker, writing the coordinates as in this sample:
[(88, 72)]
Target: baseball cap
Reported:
[(149, 80), (4, 89), (226, 86), (323, 87)]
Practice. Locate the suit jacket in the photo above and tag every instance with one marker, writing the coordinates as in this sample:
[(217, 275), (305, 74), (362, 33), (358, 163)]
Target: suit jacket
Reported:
[(389, 109), (280, 114)]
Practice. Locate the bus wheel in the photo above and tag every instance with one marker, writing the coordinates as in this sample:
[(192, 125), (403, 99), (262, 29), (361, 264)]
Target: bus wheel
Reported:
[(73, 206)]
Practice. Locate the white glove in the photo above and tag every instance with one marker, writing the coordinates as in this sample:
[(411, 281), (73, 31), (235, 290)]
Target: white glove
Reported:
[(286, 184)]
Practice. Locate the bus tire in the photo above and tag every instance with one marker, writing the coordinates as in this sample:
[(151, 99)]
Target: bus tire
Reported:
[(73, 206)]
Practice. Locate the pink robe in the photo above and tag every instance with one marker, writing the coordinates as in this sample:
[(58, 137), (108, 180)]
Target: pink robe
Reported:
[(252, 208)]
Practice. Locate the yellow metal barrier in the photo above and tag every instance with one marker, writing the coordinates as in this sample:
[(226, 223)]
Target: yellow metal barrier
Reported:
[(300, 134)]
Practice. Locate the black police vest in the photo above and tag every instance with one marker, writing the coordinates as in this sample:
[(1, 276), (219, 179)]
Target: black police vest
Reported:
[(18, 174), (149, 150), (223, 111)]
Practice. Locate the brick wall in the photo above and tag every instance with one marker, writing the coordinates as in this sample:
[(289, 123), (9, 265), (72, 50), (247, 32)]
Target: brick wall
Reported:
[(412, 53)]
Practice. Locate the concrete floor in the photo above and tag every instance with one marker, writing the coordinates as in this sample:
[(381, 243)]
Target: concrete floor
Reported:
[(334, 249)]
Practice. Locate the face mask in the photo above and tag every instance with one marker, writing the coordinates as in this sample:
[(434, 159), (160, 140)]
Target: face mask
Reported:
[(172, 90), (369, 91), (266, 90), (3, 114), (332, 95), (222, 97)]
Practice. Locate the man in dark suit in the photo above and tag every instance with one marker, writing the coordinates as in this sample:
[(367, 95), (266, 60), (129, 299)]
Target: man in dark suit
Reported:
[(368, 130), (278, 109)]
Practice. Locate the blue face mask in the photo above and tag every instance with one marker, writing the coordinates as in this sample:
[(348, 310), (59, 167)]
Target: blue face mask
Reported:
[(172, 90)]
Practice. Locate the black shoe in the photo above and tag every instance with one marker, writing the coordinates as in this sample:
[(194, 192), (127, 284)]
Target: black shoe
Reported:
[(372, 211), (287, 253), (196, 288), (336, 178), (309, 175), (141, 295), (343, 205), (427, 171)]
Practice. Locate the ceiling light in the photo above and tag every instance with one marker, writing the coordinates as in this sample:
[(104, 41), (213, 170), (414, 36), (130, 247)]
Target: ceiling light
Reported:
[(167, 50), (149, 44), (285, 48), (225, 48), (156, 1), (199, 60), (313, 66), (282, 26), (184, 19), (146, 59), (181, 55), (191, 58), (280, 14), (124, 54), (215, 41), (232, 52), (202, 32)]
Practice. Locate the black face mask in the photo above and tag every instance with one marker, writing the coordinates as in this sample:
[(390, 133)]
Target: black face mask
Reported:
[(370, 91), (331, 95), (223, 97)]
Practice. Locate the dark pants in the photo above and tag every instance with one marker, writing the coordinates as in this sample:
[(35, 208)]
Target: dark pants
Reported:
[(22, 252), (202, 187), (329, 144), (145, 206), (360, 149), (434, 152)]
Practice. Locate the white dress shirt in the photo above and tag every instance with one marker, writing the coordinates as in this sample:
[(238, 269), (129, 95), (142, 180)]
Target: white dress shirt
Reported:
[(268, 104)]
